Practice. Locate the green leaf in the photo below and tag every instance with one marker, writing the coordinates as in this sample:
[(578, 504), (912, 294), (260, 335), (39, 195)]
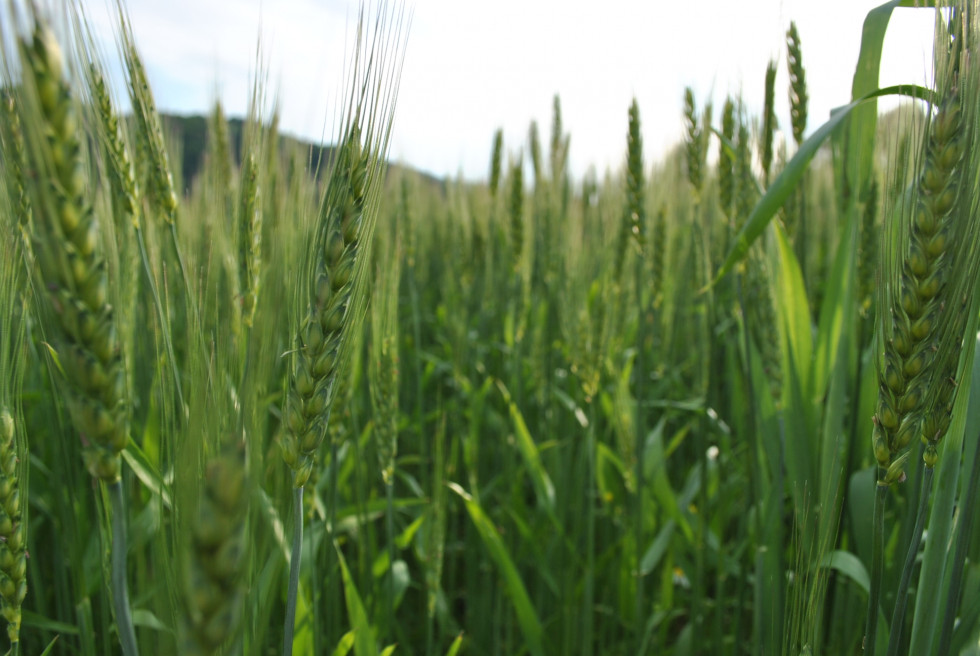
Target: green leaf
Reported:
[(657, 550), (146, 619), (454, 648), (794, 306), (527, 617), (609, 476), (37, 621), (789, 177), (364, 640), (543, 487), (655, 472), (50, 647), (344, 645), (146, 472), (936, 556), (850, 566)]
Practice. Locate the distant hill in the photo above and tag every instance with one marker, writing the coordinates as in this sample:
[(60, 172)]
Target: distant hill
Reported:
[(192, 132)]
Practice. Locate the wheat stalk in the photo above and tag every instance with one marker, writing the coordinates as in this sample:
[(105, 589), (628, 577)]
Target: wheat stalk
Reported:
[(72, 268), (319, 354), (72, 272), (916, 387), (13, 470), (768, 123), (496, 162), (798, 98)]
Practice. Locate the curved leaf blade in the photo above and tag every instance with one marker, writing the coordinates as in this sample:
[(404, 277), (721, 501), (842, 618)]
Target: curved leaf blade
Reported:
[(789, 177)]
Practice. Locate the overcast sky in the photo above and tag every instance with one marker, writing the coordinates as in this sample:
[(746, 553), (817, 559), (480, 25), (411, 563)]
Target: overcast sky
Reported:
[(472, 67)]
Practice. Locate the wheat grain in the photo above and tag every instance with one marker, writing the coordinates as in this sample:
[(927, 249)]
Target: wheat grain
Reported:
[(917, 376), (798, 98), (13, 555), (693, 141), (66, 242), (496, 161), (317, 359), (768, 123), (216, 560), (250, 245), (515, 209)]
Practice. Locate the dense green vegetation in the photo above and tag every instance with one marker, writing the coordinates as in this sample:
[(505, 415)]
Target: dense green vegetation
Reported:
[(313, 405)]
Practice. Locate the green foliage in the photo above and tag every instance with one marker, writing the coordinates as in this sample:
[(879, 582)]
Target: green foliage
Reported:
[(505, 443)]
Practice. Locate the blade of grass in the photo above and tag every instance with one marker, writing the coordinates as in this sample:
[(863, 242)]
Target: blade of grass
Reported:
[(527, 617), (543, 487), (933, 581), (364, 641)]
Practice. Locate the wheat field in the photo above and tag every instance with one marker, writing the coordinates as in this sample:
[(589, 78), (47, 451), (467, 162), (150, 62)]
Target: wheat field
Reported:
[(300, 401)]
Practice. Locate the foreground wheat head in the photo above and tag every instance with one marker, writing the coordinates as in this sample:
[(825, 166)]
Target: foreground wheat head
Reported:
[(339, 252), (71, 267), (13, 527), (929, 269), (13, 556), (317, 359)]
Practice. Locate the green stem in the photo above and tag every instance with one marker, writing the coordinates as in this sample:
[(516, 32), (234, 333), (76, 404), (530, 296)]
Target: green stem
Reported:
[(877, 562), (294, 564), (898, 617), (332, 596), (967, 515), (588, 595), (639, 373), (164, 323), (120, 592), (756, 496), (390, 529)]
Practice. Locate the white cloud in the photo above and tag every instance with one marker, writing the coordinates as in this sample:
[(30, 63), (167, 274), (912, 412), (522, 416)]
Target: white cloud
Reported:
[(472, 67)]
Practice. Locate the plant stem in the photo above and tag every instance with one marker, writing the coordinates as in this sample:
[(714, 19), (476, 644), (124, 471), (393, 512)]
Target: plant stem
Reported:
[(639, 372), (294, 563), (877, 561), (967, 517), (390, 530), (898, 617), (164, 322), (120, 592), (588, 594)]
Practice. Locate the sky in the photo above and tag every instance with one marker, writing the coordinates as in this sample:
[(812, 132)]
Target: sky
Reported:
[(472, 67)]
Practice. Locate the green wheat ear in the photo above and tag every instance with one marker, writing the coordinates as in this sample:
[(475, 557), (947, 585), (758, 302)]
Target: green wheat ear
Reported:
[(515, 210), (320, 355), (929, 268), (383, 375), (635, 201), (496, 161), (634, 219), (66, 242), (534, 145), (798, 98), (250, 246), (726, 161), (213, 586), (13, 543), (13, 468), (768, 123), (693, 141)]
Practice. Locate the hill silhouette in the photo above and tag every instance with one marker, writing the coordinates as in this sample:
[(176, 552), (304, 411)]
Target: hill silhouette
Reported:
[(191, 133)]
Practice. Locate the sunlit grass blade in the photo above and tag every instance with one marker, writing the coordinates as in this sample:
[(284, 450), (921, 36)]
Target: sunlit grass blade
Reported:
[(364, 638)]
